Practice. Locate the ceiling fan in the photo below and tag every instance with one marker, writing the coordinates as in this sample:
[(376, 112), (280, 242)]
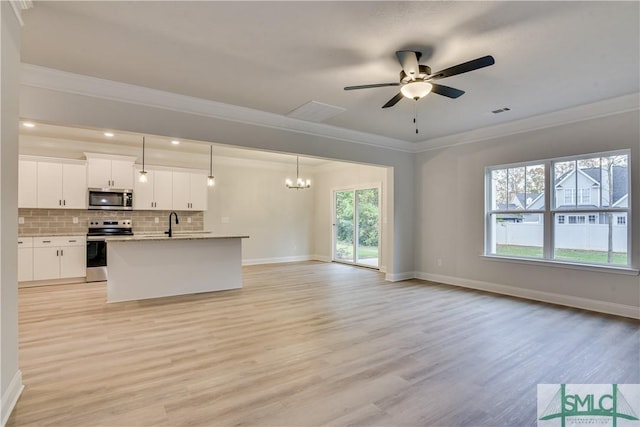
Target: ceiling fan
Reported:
[(416, 80)]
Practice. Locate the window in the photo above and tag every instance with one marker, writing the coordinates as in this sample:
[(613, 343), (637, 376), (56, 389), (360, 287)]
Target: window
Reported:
[(585, 196), (516, 206), (576, 219), (569, 196), (588, 194)]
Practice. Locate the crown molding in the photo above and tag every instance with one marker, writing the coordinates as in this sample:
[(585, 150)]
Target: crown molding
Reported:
[(18, 6), (607, 107), (62, 81)]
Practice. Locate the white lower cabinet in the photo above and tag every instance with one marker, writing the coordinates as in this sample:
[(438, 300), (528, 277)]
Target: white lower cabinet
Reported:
[(25, 259), (59, 257)]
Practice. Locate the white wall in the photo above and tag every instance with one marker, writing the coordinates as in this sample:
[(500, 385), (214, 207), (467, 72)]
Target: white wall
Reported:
[(250, 198), (450, 217), (10, 376), (341, 176)]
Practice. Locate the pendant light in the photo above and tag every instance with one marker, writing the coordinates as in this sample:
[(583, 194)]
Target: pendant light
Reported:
[(143, 172), (300, 183), (211, 180)]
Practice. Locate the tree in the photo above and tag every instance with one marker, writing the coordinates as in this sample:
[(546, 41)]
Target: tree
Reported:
[(510, 182)]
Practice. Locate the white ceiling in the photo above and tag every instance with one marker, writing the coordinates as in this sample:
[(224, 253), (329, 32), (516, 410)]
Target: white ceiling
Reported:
[(65, 141), (276, 56)]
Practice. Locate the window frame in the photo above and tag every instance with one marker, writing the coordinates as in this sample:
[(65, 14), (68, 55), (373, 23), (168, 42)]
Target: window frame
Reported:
[(550, 213)]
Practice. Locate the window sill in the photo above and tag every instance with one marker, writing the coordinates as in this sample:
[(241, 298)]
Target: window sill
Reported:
[(629, 271)]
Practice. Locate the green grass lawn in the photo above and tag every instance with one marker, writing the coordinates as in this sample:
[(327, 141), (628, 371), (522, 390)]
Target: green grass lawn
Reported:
[(579, 255), (345, 250)]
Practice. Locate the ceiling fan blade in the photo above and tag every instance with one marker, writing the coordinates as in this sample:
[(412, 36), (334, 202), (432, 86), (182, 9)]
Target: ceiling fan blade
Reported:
[(393, 101), (465, 67), (449, 92), (409, 61), (370, 86)]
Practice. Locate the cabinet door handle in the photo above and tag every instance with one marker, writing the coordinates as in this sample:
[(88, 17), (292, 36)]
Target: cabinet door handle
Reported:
[(19, 243), (72, 241), (64, 203), (46, 241), (57, 253), (60, 202), (61, 252)]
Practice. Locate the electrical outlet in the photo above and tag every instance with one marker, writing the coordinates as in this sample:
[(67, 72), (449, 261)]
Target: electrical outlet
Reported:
[(20, 220), (75, 219), (439, 262), (156, 220), (189, 220)]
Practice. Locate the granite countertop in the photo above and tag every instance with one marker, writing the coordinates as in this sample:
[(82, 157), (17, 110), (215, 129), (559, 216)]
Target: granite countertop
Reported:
[(51, 235), (196, 235)]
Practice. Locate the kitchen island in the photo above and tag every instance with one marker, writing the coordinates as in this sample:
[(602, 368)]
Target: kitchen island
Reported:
[(153, 266)]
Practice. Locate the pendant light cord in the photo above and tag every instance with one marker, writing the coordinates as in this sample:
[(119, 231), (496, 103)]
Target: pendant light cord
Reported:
[(415, 115), (143, 143)]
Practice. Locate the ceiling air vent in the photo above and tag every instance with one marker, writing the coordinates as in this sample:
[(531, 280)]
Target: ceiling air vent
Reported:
[(314, 111), (501, 110)]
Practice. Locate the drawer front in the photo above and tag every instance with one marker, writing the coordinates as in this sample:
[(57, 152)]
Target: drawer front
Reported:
[(59, 241), (25, 242), (73, 241), (46, 241)]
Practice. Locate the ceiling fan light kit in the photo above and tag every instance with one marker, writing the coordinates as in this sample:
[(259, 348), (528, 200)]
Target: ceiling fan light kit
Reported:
[(416, 89), (417, 81)]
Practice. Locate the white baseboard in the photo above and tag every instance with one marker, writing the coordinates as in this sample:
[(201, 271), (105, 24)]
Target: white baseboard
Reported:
[(397, 277), (322, 258), (549, 297), (276, 260), (10, 397)]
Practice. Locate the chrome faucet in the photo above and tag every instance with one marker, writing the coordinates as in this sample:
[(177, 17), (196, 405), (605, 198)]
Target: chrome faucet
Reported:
[(170, 233)]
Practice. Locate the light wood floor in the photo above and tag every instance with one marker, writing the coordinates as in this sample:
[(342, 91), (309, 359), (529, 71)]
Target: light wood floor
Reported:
[(307, 344)]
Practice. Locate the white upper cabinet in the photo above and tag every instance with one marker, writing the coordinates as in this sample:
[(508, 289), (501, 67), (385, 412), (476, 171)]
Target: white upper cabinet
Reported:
[(61, 185), (163, 189), (156, 193), (74, 186), (109, 171), (189, 191), (122, 174), (27, 184), (199, 192)]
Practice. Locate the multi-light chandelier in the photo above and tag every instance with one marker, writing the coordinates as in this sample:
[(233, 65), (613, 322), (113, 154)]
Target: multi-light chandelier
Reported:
[(300, 183)]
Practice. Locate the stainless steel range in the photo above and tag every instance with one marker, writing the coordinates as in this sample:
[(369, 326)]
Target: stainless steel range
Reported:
[(97, 246)]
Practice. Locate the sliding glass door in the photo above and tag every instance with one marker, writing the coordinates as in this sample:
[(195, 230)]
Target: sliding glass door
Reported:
[(357, 226)]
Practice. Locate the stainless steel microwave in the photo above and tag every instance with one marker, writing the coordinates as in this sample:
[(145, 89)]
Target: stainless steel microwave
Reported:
[(110, 199)]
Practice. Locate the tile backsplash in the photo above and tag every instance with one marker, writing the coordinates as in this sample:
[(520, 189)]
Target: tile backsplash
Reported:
[(43, 222)]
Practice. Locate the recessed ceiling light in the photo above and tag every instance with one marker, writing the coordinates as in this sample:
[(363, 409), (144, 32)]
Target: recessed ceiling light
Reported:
[(175, 142), (108, 134), (28, 124)]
